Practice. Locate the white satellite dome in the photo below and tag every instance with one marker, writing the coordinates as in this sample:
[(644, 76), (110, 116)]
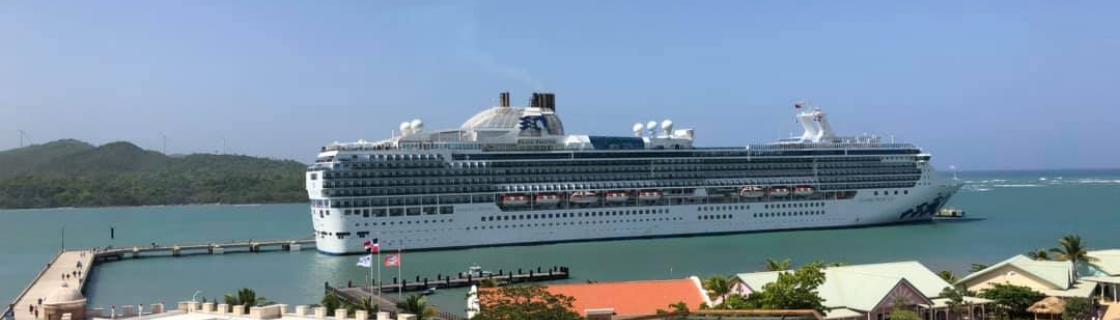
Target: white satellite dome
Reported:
[(405, 126), (416, 125), (651, 125), (638, 129), (667, 126)]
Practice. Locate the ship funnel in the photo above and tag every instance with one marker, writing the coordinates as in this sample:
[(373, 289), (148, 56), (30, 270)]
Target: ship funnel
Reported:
[(544, 101), (503, 99)]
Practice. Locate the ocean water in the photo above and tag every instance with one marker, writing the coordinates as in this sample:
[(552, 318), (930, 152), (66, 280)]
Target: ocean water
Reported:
[(1021, 211)]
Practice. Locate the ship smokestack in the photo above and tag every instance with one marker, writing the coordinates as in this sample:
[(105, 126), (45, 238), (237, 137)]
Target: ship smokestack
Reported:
[(504, 99), (543, 100)]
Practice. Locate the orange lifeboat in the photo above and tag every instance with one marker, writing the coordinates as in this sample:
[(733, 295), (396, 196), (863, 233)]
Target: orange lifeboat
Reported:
[(617, 196), (584, 197), (515, 200), (779, 192), (752, 192), (803, 191), (547, 199), (649, 195)]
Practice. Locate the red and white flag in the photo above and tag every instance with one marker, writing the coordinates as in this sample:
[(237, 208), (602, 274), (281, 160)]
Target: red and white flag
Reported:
[(373, 246), (393, 261)]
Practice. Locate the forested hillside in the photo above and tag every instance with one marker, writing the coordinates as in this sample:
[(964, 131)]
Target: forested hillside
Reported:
[(71, 173)]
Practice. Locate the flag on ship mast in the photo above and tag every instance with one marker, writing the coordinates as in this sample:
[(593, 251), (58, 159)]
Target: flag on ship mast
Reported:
[(393, 260), (372, 246), (366, 261)]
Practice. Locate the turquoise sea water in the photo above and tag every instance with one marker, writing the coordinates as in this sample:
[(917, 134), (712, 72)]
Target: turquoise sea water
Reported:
[(1022, 210)]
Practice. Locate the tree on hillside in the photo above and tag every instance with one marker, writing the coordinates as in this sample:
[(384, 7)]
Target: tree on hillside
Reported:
[(1078, 308), (794, 290), (903, 311), (331, 302), (956, 303), (1012, 301), (524, 302), (948, 276), (778, 265), (718, 287), (416, 305), (1070, 248), (1040, 254), (246, 297)]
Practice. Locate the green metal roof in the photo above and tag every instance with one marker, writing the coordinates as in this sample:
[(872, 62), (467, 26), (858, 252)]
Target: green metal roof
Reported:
[(862, 287), (1108, 261), (1058, 274)]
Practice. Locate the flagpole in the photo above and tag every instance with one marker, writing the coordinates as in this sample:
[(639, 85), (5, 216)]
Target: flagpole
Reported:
[(400, 265), (379, 262), (372, 265)]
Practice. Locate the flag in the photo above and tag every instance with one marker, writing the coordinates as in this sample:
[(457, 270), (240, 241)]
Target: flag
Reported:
[(366, 261), (393, 261), (372, 246)]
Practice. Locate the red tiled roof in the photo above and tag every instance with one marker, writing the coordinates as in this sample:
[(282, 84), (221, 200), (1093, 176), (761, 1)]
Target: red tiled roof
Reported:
[(632, 298)]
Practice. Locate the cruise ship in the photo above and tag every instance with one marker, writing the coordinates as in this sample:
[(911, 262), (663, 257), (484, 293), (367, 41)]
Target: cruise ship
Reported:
[(512, 175)]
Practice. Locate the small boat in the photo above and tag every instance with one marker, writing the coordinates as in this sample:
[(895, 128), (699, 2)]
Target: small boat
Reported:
[(779, 192), (584, 197), (476, 271), (548, 199), (649, 195), (752, 192), (802, 191), (429, 291), (950, 213), (515, 199), (617, 196)]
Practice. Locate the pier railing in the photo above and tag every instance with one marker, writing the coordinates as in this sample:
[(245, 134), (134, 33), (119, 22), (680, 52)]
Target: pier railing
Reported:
[(9, 310)]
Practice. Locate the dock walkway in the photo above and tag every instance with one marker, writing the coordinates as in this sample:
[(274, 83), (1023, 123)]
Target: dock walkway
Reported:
[(51, 278)]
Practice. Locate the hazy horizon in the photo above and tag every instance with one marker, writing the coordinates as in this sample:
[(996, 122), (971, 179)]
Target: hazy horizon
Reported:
[(982, 86)]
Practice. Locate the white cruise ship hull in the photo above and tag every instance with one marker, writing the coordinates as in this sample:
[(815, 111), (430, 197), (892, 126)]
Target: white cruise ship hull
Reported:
[(466, 228)]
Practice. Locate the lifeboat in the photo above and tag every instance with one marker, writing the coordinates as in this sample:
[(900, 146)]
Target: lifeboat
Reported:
[(583, 197), (515, 200), (779, 192), (803, 191), (649, 195), (752, 192), (547, 199), (617, 196)]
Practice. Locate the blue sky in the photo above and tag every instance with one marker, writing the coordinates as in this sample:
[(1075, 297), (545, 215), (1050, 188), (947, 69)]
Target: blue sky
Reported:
[(981, 85)]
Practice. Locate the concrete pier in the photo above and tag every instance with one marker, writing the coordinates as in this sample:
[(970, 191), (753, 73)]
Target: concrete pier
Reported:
[(51, 278), (70, 263)]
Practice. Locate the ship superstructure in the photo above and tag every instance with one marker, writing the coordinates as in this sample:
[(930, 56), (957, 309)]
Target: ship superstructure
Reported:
[(512, 175)]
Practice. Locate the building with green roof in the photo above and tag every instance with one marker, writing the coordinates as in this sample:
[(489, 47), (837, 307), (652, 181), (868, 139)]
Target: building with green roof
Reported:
[(870, 291)]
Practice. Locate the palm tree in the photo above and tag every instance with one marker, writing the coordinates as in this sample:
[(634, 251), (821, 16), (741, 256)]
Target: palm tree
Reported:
[(948, 276), (778, 265), (331, 302), (246, 297), (1070, 248), (1040, 254), (976, 267), (418, 306), (719, 287)]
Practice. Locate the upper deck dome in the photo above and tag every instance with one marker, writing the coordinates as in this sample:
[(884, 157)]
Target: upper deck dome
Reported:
[(515, 118)]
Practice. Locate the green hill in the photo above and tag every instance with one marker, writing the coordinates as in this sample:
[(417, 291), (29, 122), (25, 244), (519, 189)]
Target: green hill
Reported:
[(71, 173)]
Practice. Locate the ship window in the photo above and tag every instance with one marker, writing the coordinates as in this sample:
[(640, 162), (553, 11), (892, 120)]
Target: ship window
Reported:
[(396, 212)]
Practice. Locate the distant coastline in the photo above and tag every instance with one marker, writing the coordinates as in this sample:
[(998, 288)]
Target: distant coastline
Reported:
[(72, 173)]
